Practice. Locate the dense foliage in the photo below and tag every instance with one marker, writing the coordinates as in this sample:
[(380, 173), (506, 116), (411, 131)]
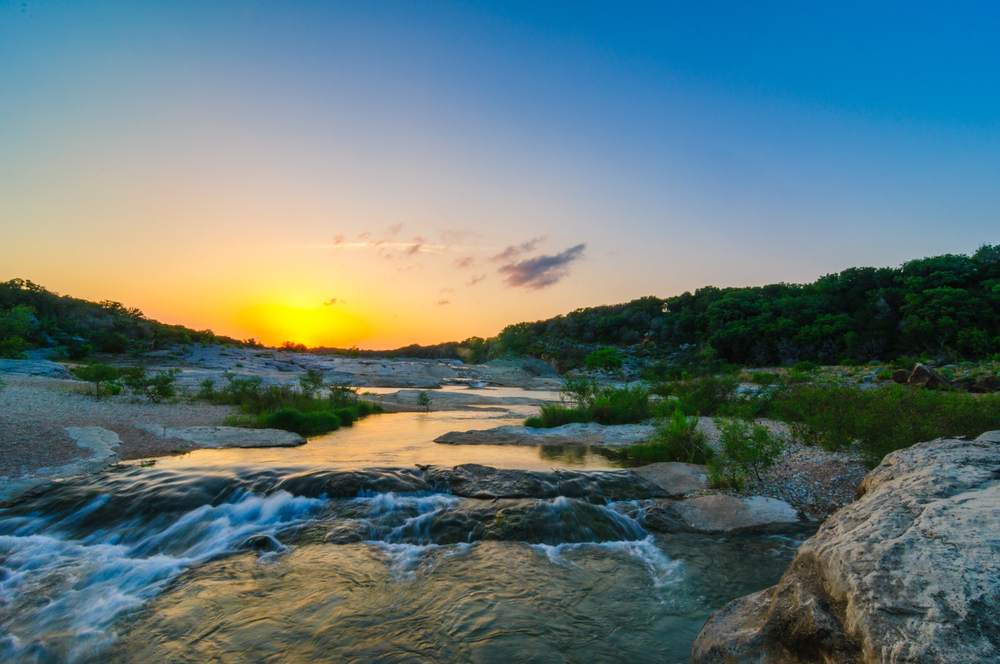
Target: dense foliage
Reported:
[(31, 316), (944, 306)]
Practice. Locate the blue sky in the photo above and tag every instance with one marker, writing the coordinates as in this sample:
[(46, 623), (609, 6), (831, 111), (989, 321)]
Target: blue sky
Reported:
[(682, 144)]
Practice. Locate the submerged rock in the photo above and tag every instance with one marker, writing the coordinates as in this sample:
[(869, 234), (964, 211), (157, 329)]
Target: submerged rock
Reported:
[(910, 572), (590, 434), (722, 514), (222, 437)]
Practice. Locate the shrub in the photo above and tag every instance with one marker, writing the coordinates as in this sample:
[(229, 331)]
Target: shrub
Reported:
[(78, 351), (608, 405), (675, 439), (155, 387), (885, 419), (763, 378), (705, 396), (605, 358), (111, 342), (305, 424), (805, 367), (12, 348), (311, 383), (206, 388), (746, 448), (424, 399), (97, 374)]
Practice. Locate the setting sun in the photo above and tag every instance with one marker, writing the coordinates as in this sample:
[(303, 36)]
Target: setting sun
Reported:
[(326, 325)]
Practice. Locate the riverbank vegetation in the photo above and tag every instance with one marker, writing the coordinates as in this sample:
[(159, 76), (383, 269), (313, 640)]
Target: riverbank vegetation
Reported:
[(306, 411), (586, 401)]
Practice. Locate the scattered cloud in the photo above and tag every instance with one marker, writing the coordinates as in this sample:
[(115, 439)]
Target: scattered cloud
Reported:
[(334, 301), (418, 243), (337, 239), (444, 301), (475, 280), (465, 263), (393, 230), (541, 271), (515, 250), (364, 236), (448, 290)]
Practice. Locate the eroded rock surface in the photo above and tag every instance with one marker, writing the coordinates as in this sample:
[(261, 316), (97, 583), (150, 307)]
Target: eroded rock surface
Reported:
[(589, 434), (675, 479), (910, 572), (35, 368), (722, 514)]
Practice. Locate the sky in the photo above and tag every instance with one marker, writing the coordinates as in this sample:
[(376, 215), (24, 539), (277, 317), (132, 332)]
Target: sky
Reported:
[(386, 173)]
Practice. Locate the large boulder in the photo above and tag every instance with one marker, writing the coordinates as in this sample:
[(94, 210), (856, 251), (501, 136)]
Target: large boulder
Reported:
[(986, 385), (900, 376), (45, 368), (924, 376), (910, 572), (675, 478)]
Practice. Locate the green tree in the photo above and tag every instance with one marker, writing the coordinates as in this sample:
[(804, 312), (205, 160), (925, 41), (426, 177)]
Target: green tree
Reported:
[(746, 448), (424, 399), (98, 374), (311, 383)]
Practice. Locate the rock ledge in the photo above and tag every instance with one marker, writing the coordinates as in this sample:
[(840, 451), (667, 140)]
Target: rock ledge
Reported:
[(910, 572)]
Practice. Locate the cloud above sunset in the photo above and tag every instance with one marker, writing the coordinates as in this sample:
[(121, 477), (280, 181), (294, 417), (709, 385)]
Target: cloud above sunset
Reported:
[(541, 271)]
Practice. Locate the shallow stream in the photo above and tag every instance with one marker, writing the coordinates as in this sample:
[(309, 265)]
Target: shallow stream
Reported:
[(264, 556)]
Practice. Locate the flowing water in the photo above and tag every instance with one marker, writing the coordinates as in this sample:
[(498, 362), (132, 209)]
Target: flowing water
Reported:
[(256, 555)]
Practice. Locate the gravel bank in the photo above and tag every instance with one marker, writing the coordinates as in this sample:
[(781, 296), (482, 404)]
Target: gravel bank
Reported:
[(810, 479), (35, 411)]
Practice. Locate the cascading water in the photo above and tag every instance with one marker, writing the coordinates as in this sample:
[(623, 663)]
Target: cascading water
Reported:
[(254, 564)]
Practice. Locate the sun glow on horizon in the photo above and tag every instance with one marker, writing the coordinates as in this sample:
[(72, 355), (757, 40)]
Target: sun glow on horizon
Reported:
[(326, 325)]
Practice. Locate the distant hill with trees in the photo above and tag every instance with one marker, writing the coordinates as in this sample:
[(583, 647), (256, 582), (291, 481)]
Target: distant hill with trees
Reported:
[(31, 317), (944, 307)]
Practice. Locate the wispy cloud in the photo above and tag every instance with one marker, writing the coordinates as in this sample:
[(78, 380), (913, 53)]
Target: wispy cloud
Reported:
[(515, 250), (444, 302), (541, 271), (475, 280), (333, 301), (465, 263), (337, 239)]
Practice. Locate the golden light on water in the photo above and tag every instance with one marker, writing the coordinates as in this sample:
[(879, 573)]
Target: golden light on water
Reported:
[(274, 324)]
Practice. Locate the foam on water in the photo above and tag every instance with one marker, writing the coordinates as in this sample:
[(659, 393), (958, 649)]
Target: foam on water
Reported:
[(662, 570), (59, 596)]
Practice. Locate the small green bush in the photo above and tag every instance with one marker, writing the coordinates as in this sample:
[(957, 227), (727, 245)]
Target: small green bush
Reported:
[(705, 396), (78, 351), (605, 358), (155, 387), (424, 400), (608, 405), (746, 448), (805, 367), (305, 424), (97, 374), (311, 383), (763, 378), (675, 439)]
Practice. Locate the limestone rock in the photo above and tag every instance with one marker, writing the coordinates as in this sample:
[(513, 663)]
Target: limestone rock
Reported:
[(924, 376), (590, 434), (986, 385), (675, 479), (910, 572), (900, 376), (44, 368), (722, 514), (219, 437)]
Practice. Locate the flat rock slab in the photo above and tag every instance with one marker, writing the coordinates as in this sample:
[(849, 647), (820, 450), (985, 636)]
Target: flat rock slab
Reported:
[(406, 400), (722, 514), (224, 437), (909, 572), (45, 368), (591, 435), (102, 444), (676, 479)]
